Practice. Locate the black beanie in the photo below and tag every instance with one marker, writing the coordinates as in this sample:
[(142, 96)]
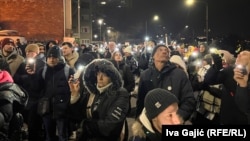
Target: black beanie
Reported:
[(157, 100), (155, 48), (54, 52)]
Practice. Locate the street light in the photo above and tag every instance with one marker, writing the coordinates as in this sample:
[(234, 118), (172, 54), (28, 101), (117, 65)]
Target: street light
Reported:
[(108, 34), (95, 36), (191, 2), (100, 21)]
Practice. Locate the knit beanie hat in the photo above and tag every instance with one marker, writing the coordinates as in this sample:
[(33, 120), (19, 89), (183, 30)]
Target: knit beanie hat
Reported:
[(179, 61), (128, 49), (156, 47), (54, 52), (157, 100), (5, 77), (32, 47), (7, 41)]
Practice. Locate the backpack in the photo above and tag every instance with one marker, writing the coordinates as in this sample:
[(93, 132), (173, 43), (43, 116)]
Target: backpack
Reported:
[(66, 71)]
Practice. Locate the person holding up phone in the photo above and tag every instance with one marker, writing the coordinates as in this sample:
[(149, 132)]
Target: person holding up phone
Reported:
[(235, 89), (241, 71), (33, 63), (241, 76)]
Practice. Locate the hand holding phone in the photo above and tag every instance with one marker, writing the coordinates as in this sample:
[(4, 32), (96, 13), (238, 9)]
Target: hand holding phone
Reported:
[(243, 69), (31, 63)]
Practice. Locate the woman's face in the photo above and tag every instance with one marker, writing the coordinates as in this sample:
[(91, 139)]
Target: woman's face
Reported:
[(118, 56), (102, 79), (167, 117), (202, 48)]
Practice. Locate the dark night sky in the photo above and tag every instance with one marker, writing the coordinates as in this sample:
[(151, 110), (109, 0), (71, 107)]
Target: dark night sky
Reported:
[(225, 17)]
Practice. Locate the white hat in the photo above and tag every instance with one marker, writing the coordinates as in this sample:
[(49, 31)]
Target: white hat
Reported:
[(179, 61), (128, 49)]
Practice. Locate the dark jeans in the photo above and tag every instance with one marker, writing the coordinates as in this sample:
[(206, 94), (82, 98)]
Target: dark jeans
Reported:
[(35, 124), (53, 125)]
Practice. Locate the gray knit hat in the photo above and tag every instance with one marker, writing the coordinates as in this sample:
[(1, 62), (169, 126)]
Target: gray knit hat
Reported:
[(155, 48), (157, 100)]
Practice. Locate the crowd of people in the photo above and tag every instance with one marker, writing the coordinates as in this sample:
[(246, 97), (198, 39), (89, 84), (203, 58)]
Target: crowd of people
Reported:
[(60, 91)]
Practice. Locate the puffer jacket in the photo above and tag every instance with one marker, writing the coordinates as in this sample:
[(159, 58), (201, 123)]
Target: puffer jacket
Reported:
[(127, 75), (109, 108), (54, 86), (13, 99)]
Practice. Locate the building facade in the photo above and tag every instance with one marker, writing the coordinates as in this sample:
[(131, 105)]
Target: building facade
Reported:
[(36, 20)]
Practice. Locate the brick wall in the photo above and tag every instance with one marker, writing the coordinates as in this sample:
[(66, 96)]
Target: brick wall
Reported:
[(35, 19)]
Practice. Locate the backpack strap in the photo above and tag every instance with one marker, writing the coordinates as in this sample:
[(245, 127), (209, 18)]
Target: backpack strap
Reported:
[(66, 71), (44, 71)]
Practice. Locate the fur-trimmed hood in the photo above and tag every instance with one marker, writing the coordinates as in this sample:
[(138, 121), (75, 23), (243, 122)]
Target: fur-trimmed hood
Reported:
[(105, 66), (137, 127)]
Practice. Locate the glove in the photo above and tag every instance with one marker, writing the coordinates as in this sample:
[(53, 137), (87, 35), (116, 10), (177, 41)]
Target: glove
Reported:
[(217, 61)]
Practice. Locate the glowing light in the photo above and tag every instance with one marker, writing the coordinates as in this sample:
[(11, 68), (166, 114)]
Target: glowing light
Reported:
[(195, 54), (31, 60), (212, 50), (103, 3)]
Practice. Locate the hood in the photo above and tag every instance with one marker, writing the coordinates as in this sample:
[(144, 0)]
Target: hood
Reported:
[(105, 66), (12, 55), (137, 126)]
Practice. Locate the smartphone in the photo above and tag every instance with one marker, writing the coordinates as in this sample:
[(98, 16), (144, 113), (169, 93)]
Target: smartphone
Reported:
[(243, 69), (31, 63)]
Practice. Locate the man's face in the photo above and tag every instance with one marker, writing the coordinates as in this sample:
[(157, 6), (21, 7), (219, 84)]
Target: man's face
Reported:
[(8, 48), (161, 54), (66, 50), (167, 117), (41, 49), (102, 79), (112, 46), (52, 61)]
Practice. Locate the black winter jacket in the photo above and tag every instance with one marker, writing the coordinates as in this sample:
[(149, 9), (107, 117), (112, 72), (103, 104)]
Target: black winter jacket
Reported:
[(172, 79), (13, 99), (54, 86), (230, 112), (109, 108)]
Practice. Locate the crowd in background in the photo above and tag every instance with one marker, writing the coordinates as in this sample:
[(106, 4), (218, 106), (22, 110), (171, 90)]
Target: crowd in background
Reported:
[(82, 92)]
